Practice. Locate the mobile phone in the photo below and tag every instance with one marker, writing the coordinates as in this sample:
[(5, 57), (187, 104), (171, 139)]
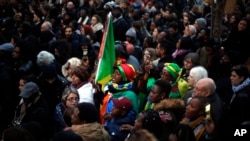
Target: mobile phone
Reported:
[(208, 112)]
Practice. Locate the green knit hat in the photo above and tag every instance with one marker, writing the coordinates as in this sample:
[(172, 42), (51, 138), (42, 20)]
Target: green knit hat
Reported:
[(173, 69)]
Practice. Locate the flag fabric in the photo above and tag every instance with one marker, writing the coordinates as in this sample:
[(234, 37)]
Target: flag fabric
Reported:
[(106, 56)]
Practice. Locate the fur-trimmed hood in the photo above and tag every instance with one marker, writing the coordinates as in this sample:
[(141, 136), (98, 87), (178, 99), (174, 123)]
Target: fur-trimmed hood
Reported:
[(171, 110), (170, 104)]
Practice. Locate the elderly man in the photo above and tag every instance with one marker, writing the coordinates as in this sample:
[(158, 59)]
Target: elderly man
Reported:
[(206, 87)]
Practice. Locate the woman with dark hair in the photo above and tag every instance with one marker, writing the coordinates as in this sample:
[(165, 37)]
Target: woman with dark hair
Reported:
[(80, 81), (195, 115), (238, 111)]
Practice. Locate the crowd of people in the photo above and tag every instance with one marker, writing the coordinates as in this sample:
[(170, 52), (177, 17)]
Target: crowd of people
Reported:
[(171, 80)]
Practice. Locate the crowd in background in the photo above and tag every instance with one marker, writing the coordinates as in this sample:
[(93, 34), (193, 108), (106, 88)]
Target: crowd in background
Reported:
[(172, 81)]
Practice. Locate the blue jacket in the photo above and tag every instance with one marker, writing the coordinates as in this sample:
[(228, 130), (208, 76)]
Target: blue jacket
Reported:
[(115, 123)]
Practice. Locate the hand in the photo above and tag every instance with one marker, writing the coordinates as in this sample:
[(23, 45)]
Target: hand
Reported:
[(147, 68), (209, 126), (107, 116), (67, 129), (126, 127)]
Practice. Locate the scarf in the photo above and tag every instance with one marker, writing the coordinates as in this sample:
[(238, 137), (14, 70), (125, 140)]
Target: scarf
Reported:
[(114, 87), (241, 86)]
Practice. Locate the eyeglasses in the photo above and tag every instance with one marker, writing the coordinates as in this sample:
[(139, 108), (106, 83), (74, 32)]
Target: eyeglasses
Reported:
[(71, 99)]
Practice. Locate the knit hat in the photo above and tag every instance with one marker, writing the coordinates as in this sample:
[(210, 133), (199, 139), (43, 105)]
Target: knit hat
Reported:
[(131, 33), (82, 73), (173, 69), (7, 47), (109, 5), (122, 103), (127, 71), (202, 22)]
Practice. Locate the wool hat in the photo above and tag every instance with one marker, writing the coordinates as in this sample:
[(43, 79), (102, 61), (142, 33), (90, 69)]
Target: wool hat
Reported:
[(122, 103), (29, 89), (127, 71), (131, 33), (109, 5), (8, 47), (82, 73), (173, 69), (202, 22)]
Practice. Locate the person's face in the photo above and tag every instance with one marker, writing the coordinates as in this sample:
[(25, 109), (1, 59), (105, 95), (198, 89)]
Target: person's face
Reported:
[(186, 31), (201, 34), (72, 100), (75, 80), (44, 28), (171, 31), (196, 25), (93, 20), (116, 112), (191, 80), (116, 77), (235, 78), (185, 19), (138, 122), (68, 32), (74, 117), (155, 96), (161, 36), (146, 56), (158, 50), (116, 13), (188, 63), (155, 32), (70, 71), (178, 44), (200, 89), (50, 80), (242, 25), (82, 30), (16, 53), (193, 109), (232, 19), (21, 84), (172, 137), (165, 75)]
